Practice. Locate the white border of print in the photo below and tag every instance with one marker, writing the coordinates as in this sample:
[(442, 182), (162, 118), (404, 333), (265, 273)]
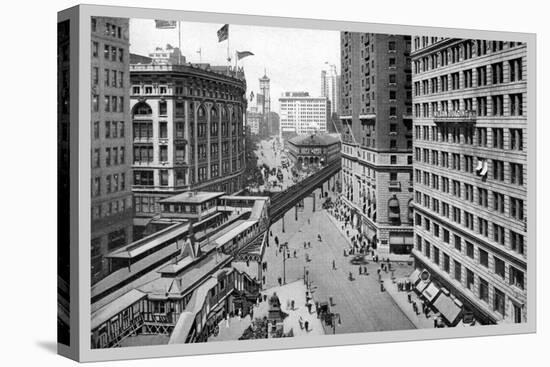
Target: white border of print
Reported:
[(87, 354)]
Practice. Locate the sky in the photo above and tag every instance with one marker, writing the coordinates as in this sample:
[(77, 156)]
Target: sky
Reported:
[(292, 58)]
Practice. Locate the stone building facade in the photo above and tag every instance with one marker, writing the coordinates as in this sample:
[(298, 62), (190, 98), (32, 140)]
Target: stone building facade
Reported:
[(376, 116), (470, 171), (111, 144), (188, 131)]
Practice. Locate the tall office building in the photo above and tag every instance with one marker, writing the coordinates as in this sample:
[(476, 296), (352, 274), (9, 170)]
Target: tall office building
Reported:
[(470, 167), (188, 131), (301, 114), (111, 144), (264, 90), (376, 115), (330, 85)]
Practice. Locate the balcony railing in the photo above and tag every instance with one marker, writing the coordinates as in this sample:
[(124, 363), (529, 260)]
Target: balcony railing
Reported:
[(455, 116)]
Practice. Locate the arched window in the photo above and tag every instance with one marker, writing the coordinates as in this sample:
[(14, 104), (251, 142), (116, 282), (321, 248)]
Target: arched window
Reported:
[(410, 213), (141, 109), (394, 210), (213, 122)]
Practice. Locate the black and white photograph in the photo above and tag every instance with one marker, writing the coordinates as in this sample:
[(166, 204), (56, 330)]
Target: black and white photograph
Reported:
[(256, 182)]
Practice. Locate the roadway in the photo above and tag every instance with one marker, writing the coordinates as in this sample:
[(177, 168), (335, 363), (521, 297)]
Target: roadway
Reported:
[(360, 303)]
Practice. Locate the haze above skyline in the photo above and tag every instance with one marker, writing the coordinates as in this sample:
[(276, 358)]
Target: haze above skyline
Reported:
[(292, 58)]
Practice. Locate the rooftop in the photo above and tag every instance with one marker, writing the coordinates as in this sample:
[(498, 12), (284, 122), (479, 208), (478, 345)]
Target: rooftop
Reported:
[(192, 197), (314, 139)]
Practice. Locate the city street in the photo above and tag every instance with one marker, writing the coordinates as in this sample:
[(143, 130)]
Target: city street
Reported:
[(361, 304)]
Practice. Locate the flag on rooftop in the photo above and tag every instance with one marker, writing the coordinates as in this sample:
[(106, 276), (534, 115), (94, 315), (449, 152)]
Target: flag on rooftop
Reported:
[(243, 54), (165, 24), (223, 33)]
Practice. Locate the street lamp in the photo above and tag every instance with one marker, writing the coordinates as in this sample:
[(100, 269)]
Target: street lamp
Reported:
[(334, 317)]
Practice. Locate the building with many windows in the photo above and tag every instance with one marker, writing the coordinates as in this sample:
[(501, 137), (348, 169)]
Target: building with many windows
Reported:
[(330, 87), (376, 116), (301, 114), (470, 171), (315, 149), (188, 131), (111, 144)]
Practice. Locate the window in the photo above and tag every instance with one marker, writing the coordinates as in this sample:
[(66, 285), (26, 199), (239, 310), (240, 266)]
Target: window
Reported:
[(498, 138), (446, 236), (481, 106), (498, 234), (469, 250), (458, 243), (498, 105), (96, 158), (469, 279), (516, 277), (113, 53), (393, 159), (516, 208), (163, 130), (516, 104), (516, 139), (446, 263), (468, 78), (143, 178), (163, 109), (436, 255), (95, 103), (427, 249), (107, 129), (163, 173), (95, 49), (515, 70), (498, 170), (516, 242), (458, 270), (499, 267), (96, 129), (483, 258), (481, 76), (106, 52), (482, 195), (498, 74), (483, 290), (107, 101), (481, 133), (483, 226), (163, 153), (498, 301)]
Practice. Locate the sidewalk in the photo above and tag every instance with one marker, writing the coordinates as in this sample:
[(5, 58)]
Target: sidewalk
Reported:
[(352, 232), (292, 291), (400, 298)]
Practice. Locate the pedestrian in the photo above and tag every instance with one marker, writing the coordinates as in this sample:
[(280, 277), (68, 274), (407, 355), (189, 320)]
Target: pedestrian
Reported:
[(365, 271), (294, 253), (334, 264), (350, 276), (308, 244), (360, 270), (308, 221), (308, 306), (306, 325), (280, 281)]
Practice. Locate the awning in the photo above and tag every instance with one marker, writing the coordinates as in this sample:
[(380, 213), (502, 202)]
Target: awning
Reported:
[(401, 240), (370, 233), (448, 309), (415, 276), (420, 286), (431, 292)]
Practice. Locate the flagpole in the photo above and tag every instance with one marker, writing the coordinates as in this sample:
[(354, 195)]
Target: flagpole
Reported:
[(179, 41)]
